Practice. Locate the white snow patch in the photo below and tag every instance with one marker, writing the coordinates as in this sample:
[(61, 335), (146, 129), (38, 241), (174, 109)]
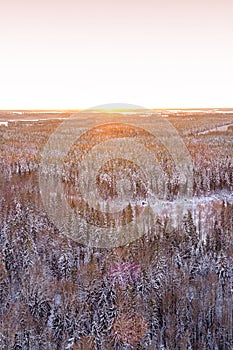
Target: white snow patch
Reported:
[(4, 123)]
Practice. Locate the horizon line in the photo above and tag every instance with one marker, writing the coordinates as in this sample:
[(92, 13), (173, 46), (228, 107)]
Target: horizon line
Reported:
[(114, 109)]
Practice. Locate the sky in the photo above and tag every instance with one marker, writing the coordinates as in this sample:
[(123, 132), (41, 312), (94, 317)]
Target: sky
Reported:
[(71, 54)]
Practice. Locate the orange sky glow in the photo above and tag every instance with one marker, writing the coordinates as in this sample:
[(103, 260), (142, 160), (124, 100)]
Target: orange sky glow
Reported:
[(71, 54)]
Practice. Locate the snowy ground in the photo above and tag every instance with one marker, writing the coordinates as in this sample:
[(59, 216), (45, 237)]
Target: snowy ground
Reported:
[(217, 128)]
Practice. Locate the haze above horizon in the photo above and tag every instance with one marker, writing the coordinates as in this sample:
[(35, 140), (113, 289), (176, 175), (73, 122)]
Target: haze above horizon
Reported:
[(71, 55)]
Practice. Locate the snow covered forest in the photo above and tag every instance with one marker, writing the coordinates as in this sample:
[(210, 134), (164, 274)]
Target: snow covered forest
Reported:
[(171, 289)]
